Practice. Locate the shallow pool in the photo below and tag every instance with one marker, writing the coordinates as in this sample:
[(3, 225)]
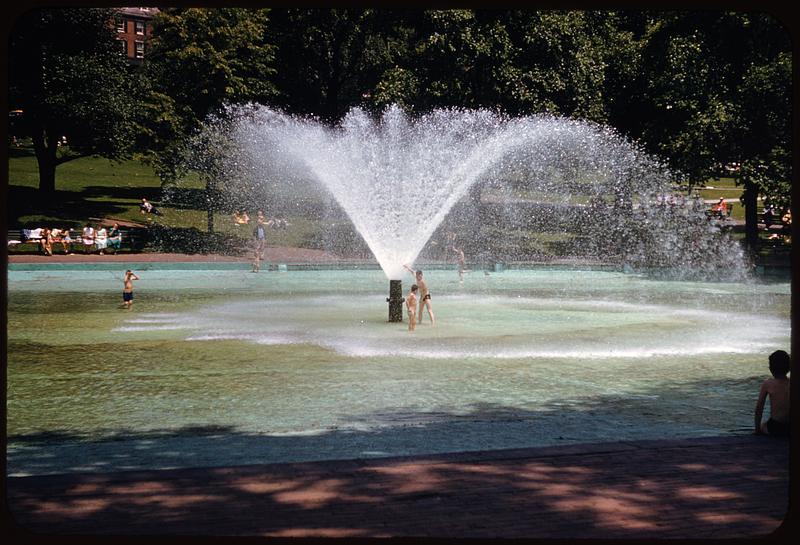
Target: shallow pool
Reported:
[(216, 367)]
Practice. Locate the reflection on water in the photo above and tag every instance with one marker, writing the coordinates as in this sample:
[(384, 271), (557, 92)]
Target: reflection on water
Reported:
[(521, 358)]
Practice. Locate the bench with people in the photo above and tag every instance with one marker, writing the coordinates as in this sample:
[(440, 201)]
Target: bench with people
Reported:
[(777, 222), (720, 209), (89, 239), (771, 215)]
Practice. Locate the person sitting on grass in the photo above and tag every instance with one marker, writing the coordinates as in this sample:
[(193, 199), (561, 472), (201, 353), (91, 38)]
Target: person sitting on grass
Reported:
[(147, 208), (241, 218), (777, 388)]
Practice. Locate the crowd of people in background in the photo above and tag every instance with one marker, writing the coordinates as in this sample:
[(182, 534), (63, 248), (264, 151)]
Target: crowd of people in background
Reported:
[(241, 217)]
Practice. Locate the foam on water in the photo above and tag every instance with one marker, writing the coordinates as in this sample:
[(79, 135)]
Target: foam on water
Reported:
[(496, 327)]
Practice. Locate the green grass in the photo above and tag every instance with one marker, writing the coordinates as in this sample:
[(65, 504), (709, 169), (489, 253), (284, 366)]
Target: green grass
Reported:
[(89, 187), (93, 187)]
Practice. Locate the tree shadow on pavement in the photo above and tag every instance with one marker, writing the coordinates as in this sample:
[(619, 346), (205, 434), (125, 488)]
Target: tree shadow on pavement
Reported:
[(698, 488)]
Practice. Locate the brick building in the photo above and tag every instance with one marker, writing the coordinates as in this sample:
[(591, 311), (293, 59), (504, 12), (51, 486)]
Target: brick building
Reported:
[(134, 27)]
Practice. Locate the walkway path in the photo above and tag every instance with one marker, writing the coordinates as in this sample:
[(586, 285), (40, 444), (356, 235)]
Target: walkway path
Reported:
[(705, 488), (273, 254)]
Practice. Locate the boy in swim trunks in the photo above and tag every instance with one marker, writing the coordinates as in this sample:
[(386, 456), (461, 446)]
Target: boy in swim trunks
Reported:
[(411, 306), (424, 296), (777, 388), (127, 291)]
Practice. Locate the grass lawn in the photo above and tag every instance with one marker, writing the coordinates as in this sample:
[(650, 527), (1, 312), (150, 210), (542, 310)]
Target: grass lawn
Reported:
[(93, 187), (87, 188)]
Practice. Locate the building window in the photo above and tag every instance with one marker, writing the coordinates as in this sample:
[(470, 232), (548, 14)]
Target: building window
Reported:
[(120, 24), (139, 28), (124, 46), (139, 50)]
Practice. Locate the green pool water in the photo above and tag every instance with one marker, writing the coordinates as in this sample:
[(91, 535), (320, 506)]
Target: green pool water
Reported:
[(223, 367)]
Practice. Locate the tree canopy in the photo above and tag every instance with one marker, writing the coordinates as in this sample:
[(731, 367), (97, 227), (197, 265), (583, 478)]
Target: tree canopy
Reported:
[(68, 76), (699, 89), (198, 61)]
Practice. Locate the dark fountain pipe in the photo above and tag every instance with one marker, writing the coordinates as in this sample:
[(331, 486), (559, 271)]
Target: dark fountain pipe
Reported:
[(395, 300)]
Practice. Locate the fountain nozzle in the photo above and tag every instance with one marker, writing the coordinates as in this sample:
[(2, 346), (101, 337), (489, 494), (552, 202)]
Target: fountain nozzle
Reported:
[(395, 300)]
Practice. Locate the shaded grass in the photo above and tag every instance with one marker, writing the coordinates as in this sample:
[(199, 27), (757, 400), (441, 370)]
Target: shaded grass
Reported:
[(93, 187), (85, 188)]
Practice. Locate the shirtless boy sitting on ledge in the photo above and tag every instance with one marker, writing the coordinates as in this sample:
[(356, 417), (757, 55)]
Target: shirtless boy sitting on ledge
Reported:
[(777, 388)]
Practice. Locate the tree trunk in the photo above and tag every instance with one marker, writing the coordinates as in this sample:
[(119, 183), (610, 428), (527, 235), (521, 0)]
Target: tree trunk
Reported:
[(750, 198), (45, 148)]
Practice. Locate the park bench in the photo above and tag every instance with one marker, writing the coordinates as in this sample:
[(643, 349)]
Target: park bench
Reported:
[(15, 239), (132, 239), (775, 222), (728, 212)]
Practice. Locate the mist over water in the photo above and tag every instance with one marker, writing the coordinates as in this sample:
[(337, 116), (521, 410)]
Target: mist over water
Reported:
[(488, 183)]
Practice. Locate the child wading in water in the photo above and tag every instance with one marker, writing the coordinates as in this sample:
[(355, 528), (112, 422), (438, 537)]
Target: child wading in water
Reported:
[(777, 389), (127, 291), (411, 306)]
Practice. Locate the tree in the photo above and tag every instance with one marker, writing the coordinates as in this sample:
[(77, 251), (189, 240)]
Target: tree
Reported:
[(200, 60), (558, 63), (330, 60), (716, 91), (763, 123), (520, 61), (67, 74)]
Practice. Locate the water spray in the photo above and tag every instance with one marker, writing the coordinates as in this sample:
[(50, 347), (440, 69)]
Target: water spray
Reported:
[(398, 177)]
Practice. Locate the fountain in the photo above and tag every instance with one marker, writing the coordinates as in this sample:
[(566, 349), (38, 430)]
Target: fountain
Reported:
[(218, 366), (400, 179)]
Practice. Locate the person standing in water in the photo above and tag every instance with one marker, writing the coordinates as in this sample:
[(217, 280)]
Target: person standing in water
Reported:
[(260, 234), (424, 295), (462, 264), (127, 290), (411, 306)]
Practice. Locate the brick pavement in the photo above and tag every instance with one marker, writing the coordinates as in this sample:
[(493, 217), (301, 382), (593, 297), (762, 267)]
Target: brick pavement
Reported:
[(724, 487)]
